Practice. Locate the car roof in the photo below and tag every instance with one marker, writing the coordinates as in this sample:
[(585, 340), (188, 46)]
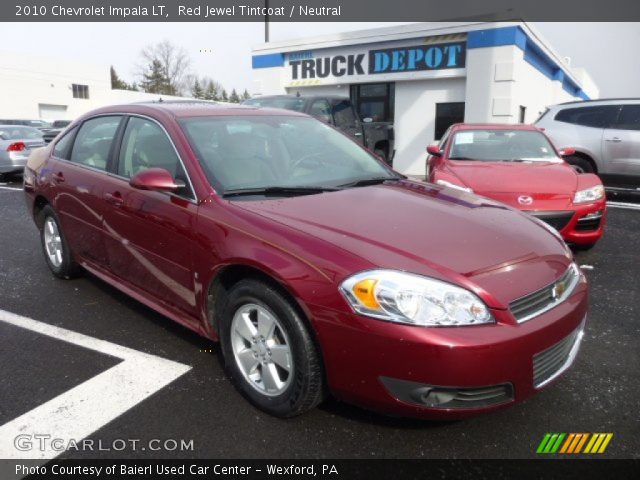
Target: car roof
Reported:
[(599, 101), (186, 109), (495, 126), (301, 97)]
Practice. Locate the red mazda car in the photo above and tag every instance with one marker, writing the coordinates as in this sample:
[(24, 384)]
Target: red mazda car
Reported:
[(517, 165), (317, 267)]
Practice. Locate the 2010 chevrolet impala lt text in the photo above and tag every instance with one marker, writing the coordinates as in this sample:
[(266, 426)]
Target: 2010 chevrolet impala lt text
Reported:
[(318, 268)]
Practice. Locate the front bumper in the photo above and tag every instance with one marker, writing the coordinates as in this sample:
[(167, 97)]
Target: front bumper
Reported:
[(361, 354), (582, 225)]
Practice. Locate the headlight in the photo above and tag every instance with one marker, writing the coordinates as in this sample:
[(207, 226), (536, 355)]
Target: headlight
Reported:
[(413, 299), (589, 195), (444, 183)]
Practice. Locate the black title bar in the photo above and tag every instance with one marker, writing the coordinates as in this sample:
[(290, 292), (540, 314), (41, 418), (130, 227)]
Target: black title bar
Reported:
[(317, 10)]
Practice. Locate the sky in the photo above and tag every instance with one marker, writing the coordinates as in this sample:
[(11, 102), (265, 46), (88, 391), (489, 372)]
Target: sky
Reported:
[(223, 50)]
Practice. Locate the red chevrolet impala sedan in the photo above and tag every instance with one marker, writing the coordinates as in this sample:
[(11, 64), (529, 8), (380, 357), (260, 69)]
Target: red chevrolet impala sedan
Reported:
[(317, 267), (518, 165)]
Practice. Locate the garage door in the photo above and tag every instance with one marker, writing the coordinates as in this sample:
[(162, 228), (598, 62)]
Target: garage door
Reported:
[(52, 112)]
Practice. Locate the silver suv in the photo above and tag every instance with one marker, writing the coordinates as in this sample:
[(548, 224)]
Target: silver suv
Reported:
[(605, 135)]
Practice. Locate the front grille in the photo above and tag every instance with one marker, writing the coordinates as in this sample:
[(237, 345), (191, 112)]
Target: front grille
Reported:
[(557, 220), (540, 301), (551, 362)]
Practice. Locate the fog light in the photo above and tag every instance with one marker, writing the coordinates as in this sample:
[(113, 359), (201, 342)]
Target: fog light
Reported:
[(432, 396)]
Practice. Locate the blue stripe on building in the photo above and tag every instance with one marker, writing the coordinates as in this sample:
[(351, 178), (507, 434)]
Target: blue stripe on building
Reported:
[(268, 60), (533, 54)]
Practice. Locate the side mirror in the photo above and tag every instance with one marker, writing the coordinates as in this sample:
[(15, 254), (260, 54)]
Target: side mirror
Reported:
[(567, 151), (157, 179), (367, 120), (434, 150)]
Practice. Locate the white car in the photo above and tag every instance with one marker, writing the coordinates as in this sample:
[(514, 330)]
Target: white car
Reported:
[(605, 135)]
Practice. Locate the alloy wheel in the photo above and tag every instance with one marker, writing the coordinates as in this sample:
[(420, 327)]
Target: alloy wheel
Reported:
[(261, 349)]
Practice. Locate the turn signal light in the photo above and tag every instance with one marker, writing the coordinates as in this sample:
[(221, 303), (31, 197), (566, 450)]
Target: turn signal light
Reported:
[(365, 291)]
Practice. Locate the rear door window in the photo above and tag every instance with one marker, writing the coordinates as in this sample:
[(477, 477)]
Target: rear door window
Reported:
[(62, 148), (93, 142)]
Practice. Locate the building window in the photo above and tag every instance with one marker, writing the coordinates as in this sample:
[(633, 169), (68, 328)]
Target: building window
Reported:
[(374, 101), (446, 115), (80, 91), (523, 113)]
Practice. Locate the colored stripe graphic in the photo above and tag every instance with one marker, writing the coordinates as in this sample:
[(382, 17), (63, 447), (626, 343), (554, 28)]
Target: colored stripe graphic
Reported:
[(573, 443)]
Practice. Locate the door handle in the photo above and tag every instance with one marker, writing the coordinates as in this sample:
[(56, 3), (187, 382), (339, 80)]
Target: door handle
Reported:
[(114, 198), (358, 134), (58, 177), (614, 140)]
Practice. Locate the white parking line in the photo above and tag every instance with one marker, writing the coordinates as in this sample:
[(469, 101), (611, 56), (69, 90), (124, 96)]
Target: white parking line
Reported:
[(625, 205), (10, 188), (78, 412)]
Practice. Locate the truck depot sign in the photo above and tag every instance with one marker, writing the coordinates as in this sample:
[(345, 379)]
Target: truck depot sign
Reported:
[(390, 60)]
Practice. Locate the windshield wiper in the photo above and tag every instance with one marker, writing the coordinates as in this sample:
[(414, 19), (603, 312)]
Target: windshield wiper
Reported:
[(280, 190), (369, 181), (461, 158)]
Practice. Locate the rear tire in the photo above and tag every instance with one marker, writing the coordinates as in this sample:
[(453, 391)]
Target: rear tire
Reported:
[(580, 164), (268, 351), (55, 247)]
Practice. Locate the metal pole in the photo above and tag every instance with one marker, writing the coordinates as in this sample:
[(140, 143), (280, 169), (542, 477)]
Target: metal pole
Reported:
[(266, 21)]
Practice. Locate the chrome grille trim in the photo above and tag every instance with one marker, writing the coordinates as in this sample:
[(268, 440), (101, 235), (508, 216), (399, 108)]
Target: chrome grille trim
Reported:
[(541, 301), (555, 360)]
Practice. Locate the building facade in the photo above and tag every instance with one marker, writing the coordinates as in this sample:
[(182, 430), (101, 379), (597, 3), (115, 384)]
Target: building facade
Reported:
[(47, 88), (424, 77)]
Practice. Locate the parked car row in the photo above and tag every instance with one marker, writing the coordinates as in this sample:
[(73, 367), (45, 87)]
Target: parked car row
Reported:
[(316, 266)]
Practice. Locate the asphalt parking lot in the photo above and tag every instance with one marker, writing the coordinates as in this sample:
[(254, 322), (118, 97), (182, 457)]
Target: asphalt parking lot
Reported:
[(599, 394)]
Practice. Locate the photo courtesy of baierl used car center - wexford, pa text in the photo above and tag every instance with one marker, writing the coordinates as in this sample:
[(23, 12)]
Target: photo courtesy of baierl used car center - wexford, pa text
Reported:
[(319, 240)]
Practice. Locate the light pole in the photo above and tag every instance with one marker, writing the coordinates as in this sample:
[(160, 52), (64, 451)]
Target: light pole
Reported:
[(266, 21)]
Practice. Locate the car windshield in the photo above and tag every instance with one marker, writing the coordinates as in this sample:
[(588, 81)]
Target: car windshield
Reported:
[(501, 145), (259, 152), (15, 132), (288, 103)]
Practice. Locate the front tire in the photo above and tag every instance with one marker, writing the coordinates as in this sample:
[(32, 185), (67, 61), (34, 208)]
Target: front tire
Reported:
[(55, 247), (580, 165), (268, 351)]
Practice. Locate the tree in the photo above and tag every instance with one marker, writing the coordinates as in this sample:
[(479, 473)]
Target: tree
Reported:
[(118, 84), (171, 61), (234, 98), (245, 95), (212, 90), (197, 91), (154, 80), (224, 97)]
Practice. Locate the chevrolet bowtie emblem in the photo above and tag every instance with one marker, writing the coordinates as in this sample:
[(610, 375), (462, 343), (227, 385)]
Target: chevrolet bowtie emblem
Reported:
[(558, 289)]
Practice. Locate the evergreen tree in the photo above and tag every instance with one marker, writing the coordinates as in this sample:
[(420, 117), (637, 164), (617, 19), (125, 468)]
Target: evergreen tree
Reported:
[(197, 91), (154, 80), (224, 97), (210, 92), (245, 95), (118, 84), (234, 98)]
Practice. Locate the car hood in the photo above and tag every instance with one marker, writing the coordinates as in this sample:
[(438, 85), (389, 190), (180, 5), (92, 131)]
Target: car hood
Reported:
[(516, 177), (431, 230)]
